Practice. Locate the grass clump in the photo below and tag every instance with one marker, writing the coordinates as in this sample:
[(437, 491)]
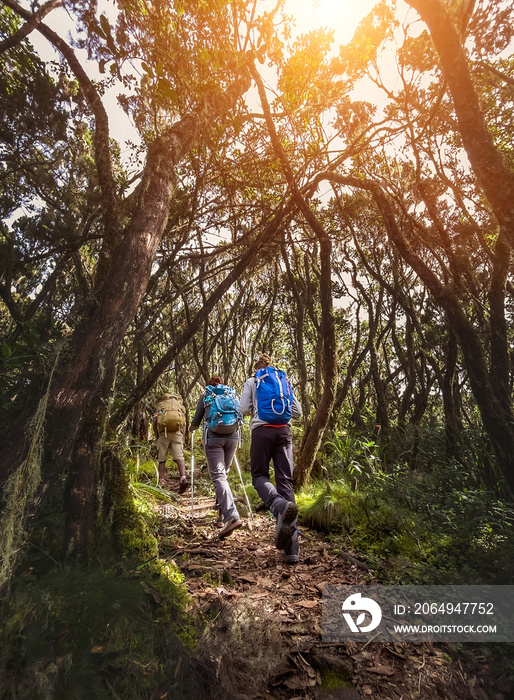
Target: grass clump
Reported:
[(415, 526)]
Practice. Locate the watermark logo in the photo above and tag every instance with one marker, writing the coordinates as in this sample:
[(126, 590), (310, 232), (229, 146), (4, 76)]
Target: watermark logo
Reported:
[(356, 603), (375, 613)]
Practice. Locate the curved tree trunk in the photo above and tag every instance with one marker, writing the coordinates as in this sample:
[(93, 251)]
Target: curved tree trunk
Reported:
[(494, 175), (314, 434), (92, 348)]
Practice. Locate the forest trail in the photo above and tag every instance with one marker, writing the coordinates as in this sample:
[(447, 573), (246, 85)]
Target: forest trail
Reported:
[(245, 569)]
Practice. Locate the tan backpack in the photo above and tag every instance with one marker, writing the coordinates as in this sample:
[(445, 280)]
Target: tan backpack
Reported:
[(171, 414)]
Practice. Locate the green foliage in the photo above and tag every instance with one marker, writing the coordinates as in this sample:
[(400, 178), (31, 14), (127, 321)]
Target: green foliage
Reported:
[(329, 506), (351, 454), (116, 626), (435, 525), (74, 630), (367, 40)]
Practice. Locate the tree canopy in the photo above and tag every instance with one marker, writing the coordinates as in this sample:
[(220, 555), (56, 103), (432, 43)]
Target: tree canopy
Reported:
[(261, 203)]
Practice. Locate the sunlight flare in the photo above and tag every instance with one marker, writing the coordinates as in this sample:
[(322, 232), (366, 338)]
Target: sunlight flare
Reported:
[(343, 16)]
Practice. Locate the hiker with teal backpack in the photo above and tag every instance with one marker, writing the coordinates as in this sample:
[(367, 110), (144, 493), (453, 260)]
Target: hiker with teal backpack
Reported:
[(268, 398), (218, 408)]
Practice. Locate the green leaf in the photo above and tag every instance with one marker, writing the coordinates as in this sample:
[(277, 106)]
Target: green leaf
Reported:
[(166, 88)]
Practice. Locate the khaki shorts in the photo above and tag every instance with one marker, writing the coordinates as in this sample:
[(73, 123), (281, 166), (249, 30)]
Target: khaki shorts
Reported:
[(175, 442)]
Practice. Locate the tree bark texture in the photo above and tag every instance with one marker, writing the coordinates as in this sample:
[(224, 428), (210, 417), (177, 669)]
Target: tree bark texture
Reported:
[(313, 437), (493, 174), (498, 420)]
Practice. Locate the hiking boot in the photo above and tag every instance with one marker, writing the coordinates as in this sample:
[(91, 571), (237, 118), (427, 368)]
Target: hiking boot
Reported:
[(183, 486), (229, 527), (292, 558), (219, 521), (283, 530), (292, 553), (261, 507)]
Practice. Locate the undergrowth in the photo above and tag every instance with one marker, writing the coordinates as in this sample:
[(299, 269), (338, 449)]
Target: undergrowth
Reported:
[(433, 524), (114, 627)]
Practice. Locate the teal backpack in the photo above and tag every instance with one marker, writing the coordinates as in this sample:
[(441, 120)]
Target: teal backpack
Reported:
[(224, 416)]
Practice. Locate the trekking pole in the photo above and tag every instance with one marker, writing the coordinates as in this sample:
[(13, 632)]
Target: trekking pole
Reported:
[(192, 471), (246, 495)]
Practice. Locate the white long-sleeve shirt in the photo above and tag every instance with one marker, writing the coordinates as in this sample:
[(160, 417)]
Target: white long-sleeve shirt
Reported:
[(248, 404)]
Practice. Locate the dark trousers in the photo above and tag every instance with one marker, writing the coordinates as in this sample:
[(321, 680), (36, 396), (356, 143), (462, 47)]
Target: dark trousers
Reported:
[(270, 443)]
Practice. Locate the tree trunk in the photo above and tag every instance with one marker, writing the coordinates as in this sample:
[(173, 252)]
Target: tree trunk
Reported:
[(92, 348), (493, 173), (500, 361), (314, 434), (452, 422), (84, 469)]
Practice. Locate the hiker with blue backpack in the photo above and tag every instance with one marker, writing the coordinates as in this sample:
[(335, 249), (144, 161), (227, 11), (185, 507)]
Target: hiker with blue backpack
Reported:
[(219, 410), (268, 398)]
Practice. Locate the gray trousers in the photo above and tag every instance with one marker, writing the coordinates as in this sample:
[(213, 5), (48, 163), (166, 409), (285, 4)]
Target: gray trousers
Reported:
[(220, 452)]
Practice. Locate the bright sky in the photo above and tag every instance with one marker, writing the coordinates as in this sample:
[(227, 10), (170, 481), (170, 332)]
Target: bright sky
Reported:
[(341, 15)]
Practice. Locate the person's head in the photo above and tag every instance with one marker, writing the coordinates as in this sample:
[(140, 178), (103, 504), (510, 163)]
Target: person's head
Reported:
[(215, 380), (262, 361)]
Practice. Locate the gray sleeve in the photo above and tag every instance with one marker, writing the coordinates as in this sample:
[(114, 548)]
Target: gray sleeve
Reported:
[(246, 401), (199, 413), (297, 409)]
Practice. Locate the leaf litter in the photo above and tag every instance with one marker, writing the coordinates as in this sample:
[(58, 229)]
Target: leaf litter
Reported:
[(245, 578)]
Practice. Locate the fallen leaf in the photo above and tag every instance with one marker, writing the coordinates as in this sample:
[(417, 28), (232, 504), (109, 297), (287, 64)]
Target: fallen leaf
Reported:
[(305, 665), (308, 603), (265, 583), (382, 670), (367, 690), (320, 585), (155, 594), (295, 683)]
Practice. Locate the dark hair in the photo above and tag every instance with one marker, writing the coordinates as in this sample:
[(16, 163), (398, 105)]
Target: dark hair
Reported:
[(215, 380)]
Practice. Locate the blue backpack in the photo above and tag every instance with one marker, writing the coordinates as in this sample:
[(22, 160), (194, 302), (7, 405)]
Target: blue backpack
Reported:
[(274, 396), (223, 416)]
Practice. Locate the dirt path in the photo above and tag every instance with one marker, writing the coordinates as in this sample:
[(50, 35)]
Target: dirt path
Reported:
[(246, 570)]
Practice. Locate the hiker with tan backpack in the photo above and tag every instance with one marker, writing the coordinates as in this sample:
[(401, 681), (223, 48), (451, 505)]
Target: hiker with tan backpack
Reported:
[(169, 424)]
